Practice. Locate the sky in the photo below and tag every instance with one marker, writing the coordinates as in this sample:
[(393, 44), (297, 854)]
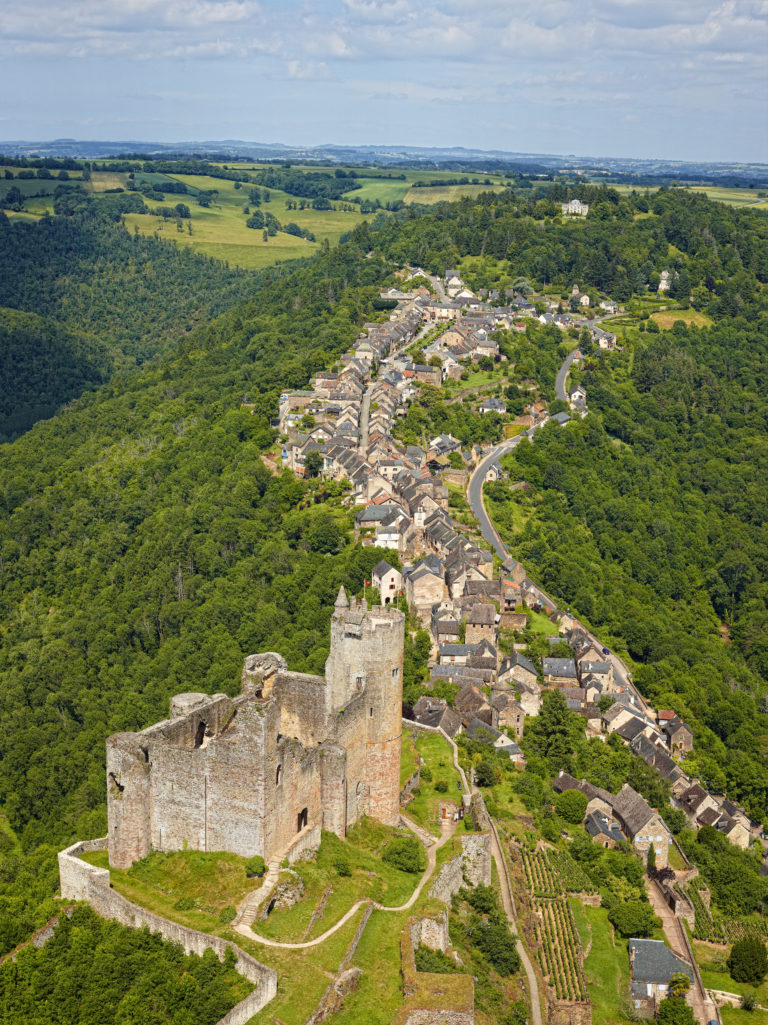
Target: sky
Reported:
[(678, 79)]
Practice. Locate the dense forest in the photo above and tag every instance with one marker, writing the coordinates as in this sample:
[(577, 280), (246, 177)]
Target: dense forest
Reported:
[(146, 547), (111, 301), (94, 972), (649, 519)]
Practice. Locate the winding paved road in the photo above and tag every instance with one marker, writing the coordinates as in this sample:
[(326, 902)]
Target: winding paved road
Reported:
[(562, 374)]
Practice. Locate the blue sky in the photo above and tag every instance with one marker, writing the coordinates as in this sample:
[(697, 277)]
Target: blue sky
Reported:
[(680, 79)]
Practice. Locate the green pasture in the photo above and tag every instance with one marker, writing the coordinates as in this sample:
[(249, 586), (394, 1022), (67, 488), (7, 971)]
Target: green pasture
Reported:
[(220, 230), (448, 193)]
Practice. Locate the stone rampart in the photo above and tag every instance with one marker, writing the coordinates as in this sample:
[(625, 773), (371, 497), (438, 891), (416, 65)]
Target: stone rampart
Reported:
[(81, 881)]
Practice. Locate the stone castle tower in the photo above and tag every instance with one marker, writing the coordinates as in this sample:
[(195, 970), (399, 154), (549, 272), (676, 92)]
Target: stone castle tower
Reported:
[(265, 772)]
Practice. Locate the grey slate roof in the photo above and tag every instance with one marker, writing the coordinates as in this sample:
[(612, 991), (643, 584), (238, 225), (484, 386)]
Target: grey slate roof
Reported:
[(653, 961), (559, 667), (596, 823)]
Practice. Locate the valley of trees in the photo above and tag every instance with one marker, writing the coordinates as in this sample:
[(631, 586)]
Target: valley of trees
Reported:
[(111, 300), (145, 547)]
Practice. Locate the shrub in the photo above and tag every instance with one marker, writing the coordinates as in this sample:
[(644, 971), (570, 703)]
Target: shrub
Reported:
[(675, 1011), (441, 786), (748, 1002), (405, 853), (633, 918), (184, 904), (571, 805), (425, 774), (255, 866), (342, 866), (498, 945), (487, 773), (227, 914), (434, 961), (748, 961)]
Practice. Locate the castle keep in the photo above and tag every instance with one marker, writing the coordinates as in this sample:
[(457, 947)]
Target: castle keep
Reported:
[(291, 755)]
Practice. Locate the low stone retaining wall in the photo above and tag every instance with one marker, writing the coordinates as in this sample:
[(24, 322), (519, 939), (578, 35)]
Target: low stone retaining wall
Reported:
[(81, 881)]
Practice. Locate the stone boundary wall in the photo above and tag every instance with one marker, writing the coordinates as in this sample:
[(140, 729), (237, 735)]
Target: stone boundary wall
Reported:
[(344, 981), (81, 881), (410, 784)]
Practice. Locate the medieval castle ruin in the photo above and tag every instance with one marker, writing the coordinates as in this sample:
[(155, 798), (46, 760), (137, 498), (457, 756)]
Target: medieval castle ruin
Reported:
[(264, 772)]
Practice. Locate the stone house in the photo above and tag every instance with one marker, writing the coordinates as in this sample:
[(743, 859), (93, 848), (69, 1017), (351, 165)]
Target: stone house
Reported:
[(652, 965), (643, 825), (679, 735), (436, 712), (425, 586), (559, 672), (516, 668), (603, 830), (602, 671), (481, 624), (388, 580), (511, 713)]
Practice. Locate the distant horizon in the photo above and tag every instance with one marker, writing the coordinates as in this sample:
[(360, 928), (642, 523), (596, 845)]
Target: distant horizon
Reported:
[(186, 145)]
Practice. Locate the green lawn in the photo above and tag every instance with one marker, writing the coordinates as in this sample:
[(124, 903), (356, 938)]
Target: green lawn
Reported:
[(425, 807), (710, 959), (212, 880), (735, 1016), (606, 968), (370, 878)]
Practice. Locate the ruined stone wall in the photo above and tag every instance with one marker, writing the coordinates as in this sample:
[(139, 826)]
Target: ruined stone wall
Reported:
[(431, 931), (292, 751), (476, 858), (470, 868), (80, 881), (432, 998)]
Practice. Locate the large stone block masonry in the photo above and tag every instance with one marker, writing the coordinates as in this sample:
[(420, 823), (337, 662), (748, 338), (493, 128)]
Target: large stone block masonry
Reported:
[(291, 755)]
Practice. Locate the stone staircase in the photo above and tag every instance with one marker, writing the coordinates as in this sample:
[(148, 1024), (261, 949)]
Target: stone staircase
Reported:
[(247, 908)]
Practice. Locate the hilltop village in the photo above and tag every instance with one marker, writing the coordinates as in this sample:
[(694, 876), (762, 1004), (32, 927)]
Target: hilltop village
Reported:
[(342, 429)]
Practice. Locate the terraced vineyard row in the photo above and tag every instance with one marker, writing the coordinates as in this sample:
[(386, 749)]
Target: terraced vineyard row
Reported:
[(560, 950), (541, 879), (551, 872), (717, 929), (570, 873)]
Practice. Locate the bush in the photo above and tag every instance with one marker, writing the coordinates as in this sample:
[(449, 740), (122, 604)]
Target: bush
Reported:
[(675, 1011), (441, 786), (498, 945), (184, 904), (748, 1002), (341, 864), (487, 773), (748, 960), (255, 866), (425, 774), (227, 914), (633, 918), (434, 961), (571, 806), (405, 853)]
